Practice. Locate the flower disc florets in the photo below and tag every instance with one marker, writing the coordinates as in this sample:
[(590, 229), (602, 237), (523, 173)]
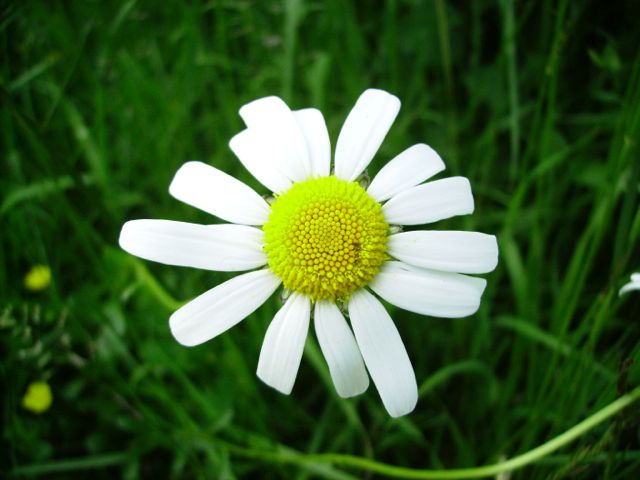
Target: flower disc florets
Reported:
[(326, 238)]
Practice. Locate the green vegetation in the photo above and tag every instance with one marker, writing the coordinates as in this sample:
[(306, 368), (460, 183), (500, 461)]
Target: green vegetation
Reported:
[(536, 102)]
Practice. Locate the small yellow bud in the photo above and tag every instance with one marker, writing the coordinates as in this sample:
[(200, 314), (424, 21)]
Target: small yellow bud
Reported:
[(38, 397), (38, 278)]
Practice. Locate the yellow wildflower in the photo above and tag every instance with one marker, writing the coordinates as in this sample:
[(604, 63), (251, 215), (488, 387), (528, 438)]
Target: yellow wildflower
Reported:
[(38, 397), (38, 278)]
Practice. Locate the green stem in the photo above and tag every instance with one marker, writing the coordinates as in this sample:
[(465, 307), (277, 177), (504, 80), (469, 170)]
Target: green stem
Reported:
[(462, 473), (447, 67), (153, 286), (87, 463), (512, 81), (292, 19)]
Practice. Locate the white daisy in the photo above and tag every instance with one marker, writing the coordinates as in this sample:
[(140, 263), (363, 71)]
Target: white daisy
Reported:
[(634, 284), (332, 243)]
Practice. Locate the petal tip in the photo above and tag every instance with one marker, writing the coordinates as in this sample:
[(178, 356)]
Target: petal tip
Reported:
[(183, 332), (378, 92), (495, 254), (430, 153), (237, 140), (129, 236), (181, 335), (468, 194), (125, 235), (401, 411), (274, 383), (185, 171), (354, 390), (248, 109)]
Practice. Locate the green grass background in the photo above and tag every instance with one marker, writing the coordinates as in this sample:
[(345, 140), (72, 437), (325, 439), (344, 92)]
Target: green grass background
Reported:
[(537, 102)]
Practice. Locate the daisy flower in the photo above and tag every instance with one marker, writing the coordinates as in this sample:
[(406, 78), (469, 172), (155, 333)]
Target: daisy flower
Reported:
[(332, 243)]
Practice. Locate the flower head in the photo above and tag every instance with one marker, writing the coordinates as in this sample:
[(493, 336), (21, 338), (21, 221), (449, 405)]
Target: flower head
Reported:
[(333, 244)]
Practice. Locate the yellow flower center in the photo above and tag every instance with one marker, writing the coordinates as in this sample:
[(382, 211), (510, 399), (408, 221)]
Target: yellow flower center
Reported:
[(325, 238)]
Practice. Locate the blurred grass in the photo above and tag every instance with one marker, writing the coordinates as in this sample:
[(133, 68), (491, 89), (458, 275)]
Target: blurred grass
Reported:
[(538, 103)]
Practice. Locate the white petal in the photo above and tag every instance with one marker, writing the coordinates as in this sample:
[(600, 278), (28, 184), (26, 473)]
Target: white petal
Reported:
[(283, 344), (227, 248), (384, 353), (363, 132), (631, 286), (430, 202), (220, 308), (450, 251), (261, 157), (209, 189), (316, 134), (340, 350), (273, 118), (635, 277), (429, 292), (412, 167)]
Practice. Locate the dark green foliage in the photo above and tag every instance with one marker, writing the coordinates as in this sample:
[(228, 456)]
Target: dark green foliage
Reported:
[(538, 103)]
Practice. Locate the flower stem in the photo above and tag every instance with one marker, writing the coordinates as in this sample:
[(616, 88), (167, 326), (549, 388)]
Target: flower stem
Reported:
[(153, 286), (461, 473)]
